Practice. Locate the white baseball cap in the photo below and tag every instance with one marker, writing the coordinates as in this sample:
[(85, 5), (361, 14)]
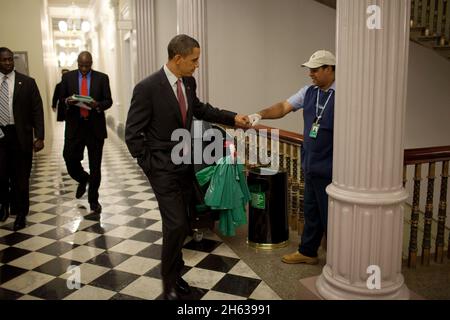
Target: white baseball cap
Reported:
[(320, 58)]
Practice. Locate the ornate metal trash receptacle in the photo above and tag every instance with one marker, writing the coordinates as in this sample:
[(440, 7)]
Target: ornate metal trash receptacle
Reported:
[(268, 219)]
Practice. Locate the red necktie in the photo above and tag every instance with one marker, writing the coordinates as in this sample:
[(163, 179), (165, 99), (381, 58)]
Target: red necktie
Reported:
[(181, 101), (84, 92)]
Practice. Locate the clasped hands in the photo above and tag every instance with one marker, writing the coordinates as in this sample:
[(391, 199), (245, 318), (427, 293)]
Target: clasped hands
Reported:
[(247, 121)]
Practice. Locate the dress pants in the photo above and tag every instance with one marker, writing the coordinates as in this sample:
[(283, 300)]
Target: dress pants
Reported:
[(174, 195), (316, 215), (74, 154), (15, 171)]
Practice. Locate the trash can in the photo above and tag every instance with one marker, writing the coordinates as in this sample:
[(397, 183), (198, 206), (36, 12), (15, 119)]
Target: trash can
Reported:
[(268, 220)]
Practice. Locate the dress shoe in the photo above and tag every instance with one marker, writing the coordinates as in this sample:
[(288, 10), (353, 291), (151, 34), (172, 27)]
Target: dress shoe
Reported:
[(171, 295), (20, 223), (297, 257), (182, 286), (81, 189), (96, 207), (4, 213)]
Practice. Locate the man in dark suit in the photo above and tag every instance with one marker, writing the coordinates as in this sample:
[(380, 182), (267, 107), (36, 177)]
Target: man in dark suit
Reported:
[(85, 127), (162, 103), (60, 109), (21, 116)]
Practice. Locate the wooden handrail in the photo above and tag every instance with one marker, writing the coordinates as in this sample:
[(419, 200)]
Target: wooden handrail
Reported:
[(411, 156), (286, 136), (426, 155)]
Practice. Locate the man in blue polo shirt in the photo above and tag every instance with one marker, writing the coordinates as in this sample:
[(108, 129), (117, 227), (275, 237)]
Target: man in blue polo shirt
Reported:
[(317, 102)]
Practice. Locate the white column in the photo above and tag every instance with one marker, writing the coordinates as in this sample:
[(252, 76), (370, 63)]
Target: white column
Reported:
[(191, 20), (365, 223), (145, 38)]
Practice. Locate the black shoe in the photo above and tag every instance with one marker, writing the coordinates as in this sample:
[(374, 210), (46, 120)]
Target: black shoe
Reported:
[(20, 223), (171, 295), (96, 207), (81, 190), (4, 213), (182, 286)]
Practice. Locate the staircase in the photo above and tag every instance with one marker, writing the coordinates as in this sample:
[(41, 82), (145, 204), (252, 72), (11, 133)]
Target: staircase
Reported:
[(430, 24)]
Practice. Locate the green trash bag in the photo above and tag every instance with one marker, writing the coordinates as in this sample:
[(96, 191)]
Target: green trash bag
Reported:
[(227, 192), (205, 175)]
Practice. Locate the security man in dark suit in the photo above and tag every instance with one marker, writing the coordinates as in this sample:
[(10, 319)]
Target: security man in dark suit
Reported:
[(85, 127), (56, 107), (21, 116), (164, 102)]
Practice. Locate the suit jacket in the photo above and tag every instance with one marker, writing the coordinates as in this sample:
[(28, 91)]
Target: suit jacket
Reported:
[(60, 107), (155, 113), (99, 90), (28, 111)]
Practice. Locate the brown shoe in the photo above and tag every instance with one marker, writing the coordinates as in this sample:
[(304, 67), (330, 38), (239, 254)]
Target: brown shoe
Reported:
[(297, 257)]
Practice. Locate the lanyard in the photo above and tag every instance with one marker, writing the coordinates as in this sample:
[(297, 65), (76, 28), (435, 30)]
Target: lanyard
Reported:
[(318, 117)]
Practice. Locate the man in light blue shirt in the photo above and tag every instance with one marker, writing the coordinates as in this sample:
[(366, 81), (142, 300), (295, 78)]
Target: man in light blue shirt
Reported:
[(317, 103)]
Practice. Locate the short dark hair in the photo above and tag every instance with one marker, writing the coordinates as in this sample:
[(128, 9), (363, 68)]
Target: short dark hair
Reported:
[(85, 53), (4, 49), (182, 45)]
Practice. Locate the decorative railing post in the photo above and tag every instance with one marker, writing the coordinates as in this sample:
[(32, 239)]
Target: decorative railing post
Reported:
[(412, 256), (440, 237), (426, 244)]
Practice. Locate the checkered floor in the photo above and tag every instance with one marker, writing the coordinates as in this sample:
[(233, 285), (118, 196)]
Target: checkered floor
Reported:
[(118, 252)]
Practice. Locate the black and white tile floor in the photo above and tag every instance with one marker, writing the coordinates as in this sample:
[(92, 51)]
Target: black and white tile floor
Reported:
[(117, 252)]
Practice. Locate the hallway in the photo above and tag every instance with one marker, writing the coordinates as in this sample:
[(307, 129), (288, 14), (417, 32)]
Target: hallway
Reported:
[(250, 60), (118, 251)]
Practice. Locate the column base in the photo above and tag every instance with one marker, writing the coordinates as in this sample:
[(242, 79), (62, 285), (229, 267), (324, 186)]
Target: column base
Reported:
[(332, 289)]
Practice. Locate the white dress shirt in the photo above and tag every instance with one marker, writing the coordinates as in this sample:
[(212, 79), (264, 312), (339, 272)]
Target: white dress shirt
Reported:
[(173, 83)]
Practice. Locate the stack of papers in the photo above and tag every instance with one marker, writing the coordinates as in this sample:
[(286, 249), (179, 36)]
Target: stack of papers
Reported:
[(82, 100)]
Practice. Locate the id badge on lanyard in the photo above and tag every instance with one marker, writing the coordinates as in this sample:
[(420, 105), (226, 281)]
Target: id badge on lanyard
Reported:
[(314, 130), (316, 125)]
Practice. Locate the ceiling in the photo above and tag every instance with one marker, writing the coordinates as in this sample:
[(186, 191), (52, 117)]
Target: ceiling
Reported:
[(74, 41), (67, 8)]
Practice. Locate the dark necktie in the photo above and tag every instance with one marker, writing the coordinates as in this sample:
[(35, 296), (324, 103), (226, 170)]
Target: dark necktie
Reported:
[(181, 101), (4, 102)]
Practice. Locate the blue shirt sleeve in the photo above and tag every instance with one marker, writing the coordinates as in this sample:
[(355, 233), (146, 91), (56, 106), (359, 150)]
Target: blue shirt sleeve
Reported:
[(298, 99)]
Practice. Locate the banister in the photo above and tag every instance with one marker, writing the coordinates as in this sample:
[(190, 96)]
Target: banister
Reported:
[(411, 156), (286, 136), (426, 155)]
